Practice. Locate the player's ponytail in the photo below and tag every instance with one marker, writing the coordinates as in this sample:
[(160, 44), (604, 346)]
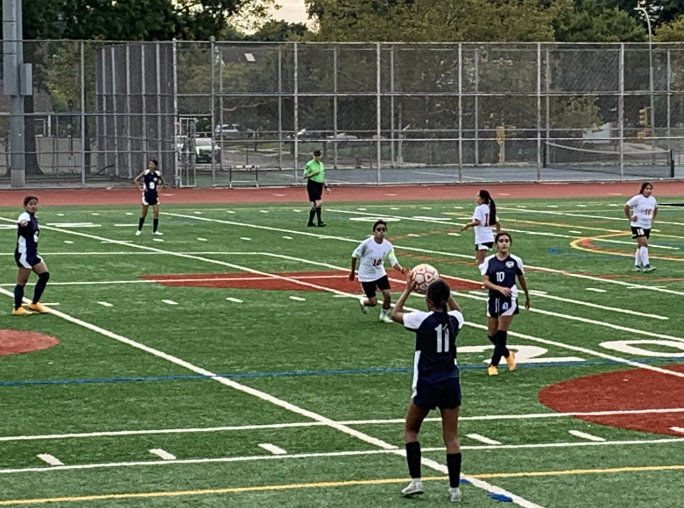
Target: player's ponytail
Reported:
[(438, 292), (487, 200)]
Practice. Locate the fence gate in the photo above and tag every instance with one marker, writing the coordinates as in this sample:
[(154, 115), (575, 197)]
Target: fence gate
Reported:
[(185, 147)]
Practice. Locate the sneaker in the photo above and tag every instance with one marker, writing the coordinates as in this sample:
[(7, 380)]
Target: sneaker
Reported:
[(38, 307), (321, 224), (492, 371), (21, 311), (511, 361), (158, 233), (414, 488), (455, 494), (363, 308), (311, 225), (649, 268), (138, 233), (386, 319), (636, 269)]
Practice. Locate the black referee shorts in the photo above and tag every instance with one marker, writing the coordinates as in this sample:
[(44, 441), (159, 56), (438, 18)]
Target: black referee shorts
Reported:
[(315, 190)]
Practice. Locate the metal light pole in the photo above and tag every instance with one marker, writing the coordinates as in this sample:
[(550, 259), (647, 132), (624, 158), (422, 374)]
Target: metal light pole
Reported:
[(650, 68)]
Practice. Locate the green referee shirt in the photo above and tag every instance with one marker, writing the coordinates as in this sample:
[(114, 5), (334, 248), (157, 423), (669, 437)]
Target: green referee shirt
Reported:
[(312, 166)]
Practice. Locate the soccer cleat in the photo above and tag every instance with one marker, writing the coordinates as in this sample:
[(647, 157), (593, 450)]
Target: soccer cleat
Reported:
[(414, 488), (649, 268), (138, 233), (386, 319), (511, 361), (636, 269), (21, 311), (363, 308), (321, 224), (492, 371), (311, 225), (158, 233), (38, 307), (455, 494)]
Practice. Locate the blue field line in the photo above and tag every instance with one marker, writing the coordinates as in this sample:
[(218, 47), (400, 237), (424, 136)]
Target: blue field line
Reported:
[(295, 373)]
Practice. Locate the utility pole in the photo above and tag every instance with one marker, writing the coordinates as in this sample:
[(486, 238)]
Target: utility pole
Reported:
[(17, 83)]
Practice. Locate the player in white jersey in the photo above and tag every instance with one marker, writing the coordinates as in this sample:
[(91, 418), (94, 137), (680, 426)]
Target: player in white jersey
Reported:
[(641, 211), (372, 253), (484, 217)]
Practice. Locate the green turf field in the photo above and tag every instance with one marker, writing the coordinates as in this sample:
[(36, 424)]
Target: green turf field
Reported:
[(189, 395)]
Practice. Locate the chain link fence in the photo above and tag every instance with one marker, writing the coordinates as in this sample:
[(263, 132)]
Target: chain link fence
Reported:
[(245, 114)]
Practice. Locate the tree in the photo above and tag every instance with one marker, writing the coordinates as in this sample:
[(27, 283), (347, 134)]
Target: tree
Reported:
[(590, 21), (278, 31)]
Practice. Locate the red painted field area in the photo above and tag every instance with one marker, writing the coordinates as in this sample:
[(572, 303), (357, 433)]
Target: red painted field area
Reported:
[(13, 342), (626, 390), (284, 281)]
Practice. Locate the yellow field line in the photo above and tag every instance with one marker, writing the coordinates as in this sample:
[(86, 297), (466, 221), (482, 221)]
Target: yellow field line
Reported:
[(381, 481)]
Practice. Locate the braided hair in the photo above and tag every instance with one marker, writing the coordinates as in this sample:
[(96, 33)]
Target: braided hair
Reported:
[(438, 292)]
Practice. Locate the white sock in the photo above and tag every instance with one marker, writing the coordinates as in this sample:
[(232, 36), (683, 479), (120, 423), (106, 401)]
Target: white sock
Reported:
[(644, 256), (383, 312), (637, 257)]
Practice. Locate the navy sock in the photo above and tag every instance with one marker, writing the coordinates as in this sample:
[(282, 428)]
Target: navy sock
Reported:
[(18, 296), (413, 458), (43, 279), (140, 223), (155, 225), (454, 468)]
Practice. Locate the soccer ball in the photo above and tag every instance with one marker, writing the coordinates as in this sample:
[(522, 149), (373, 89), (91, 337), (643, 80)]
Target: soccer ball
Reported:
[(423, 275)]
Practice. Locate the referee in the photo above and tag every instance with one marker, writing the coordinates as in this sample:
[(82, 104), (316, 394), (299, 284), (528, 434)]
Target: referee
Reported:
[(314, 172)]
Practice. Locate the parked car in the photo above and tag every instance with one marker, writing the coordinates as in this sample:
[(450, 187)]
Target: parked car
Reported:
[(205, 148), (232, 131)]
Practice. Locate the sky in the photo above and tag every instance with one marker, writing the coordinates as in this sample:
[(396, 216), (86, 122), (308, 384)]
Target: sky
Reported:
[(291, 10)]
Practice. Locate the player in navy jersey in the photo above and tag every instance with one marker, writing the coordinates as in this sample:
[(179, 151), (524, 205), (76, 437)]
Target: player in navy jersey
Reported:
[(498, 275), (435, 378), (28, 260), (152, 180)]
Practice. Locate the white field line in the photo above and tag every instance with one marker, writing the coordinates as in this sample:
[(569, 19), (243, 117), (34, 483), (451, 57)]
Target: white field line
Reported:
[(169, 302), (530, 337), (50, 459), (543, 294), (483, 439), (677, 429), (275, 450), (357, 453), (105, 304), (240, 387), (622, 218), (279, 426), (194, 279), (163, 454), (124, 253), (584, 435), (452, 254)]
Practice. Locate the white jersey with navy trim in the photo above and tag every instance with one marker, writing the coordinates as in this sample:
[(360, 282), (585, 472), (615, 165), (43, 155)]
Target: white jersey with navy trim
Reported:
[(643, 208), (502, 272), (373, 255), (27, 236), (483, 232), (435, 356)]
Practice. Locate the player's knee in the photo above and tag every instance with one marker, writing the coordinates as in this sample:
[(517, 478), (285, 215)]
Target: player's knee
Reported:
[(44, 277), (372, 302)]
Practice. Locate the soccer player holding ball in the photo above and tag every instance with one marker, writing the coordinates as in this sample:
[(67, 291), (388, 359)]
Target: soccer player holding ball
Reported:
[(372, 254)]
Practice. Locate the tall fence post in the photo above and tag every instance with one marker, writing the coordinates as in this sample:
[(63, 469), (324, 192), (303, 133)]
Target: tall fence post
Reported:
[(539, 111), (82, 100), (378, 106), (621, 109), (295, 84), (460, 112)]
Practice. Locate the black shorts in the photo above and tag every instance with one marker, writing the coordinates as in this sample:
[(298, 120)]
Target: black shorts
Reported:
[(502, 306), (314, 189), (480, 246), (639, 232), (27, 260), (369, 287), (150, 198), (444, 395)]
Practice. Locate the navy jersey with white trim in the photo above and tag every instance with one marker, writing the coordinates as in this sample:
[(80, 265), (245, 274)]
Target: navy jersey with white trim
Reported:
[(435, 357), (502, 272), (27, 236), (151, 180)]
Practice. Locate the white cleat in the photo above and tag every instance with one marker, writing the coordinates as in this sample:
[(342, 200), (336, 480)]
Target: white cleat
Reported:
[(455, 494), (158, 233), (138, 233), (386, 319), (363, 308), (414, 488)]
